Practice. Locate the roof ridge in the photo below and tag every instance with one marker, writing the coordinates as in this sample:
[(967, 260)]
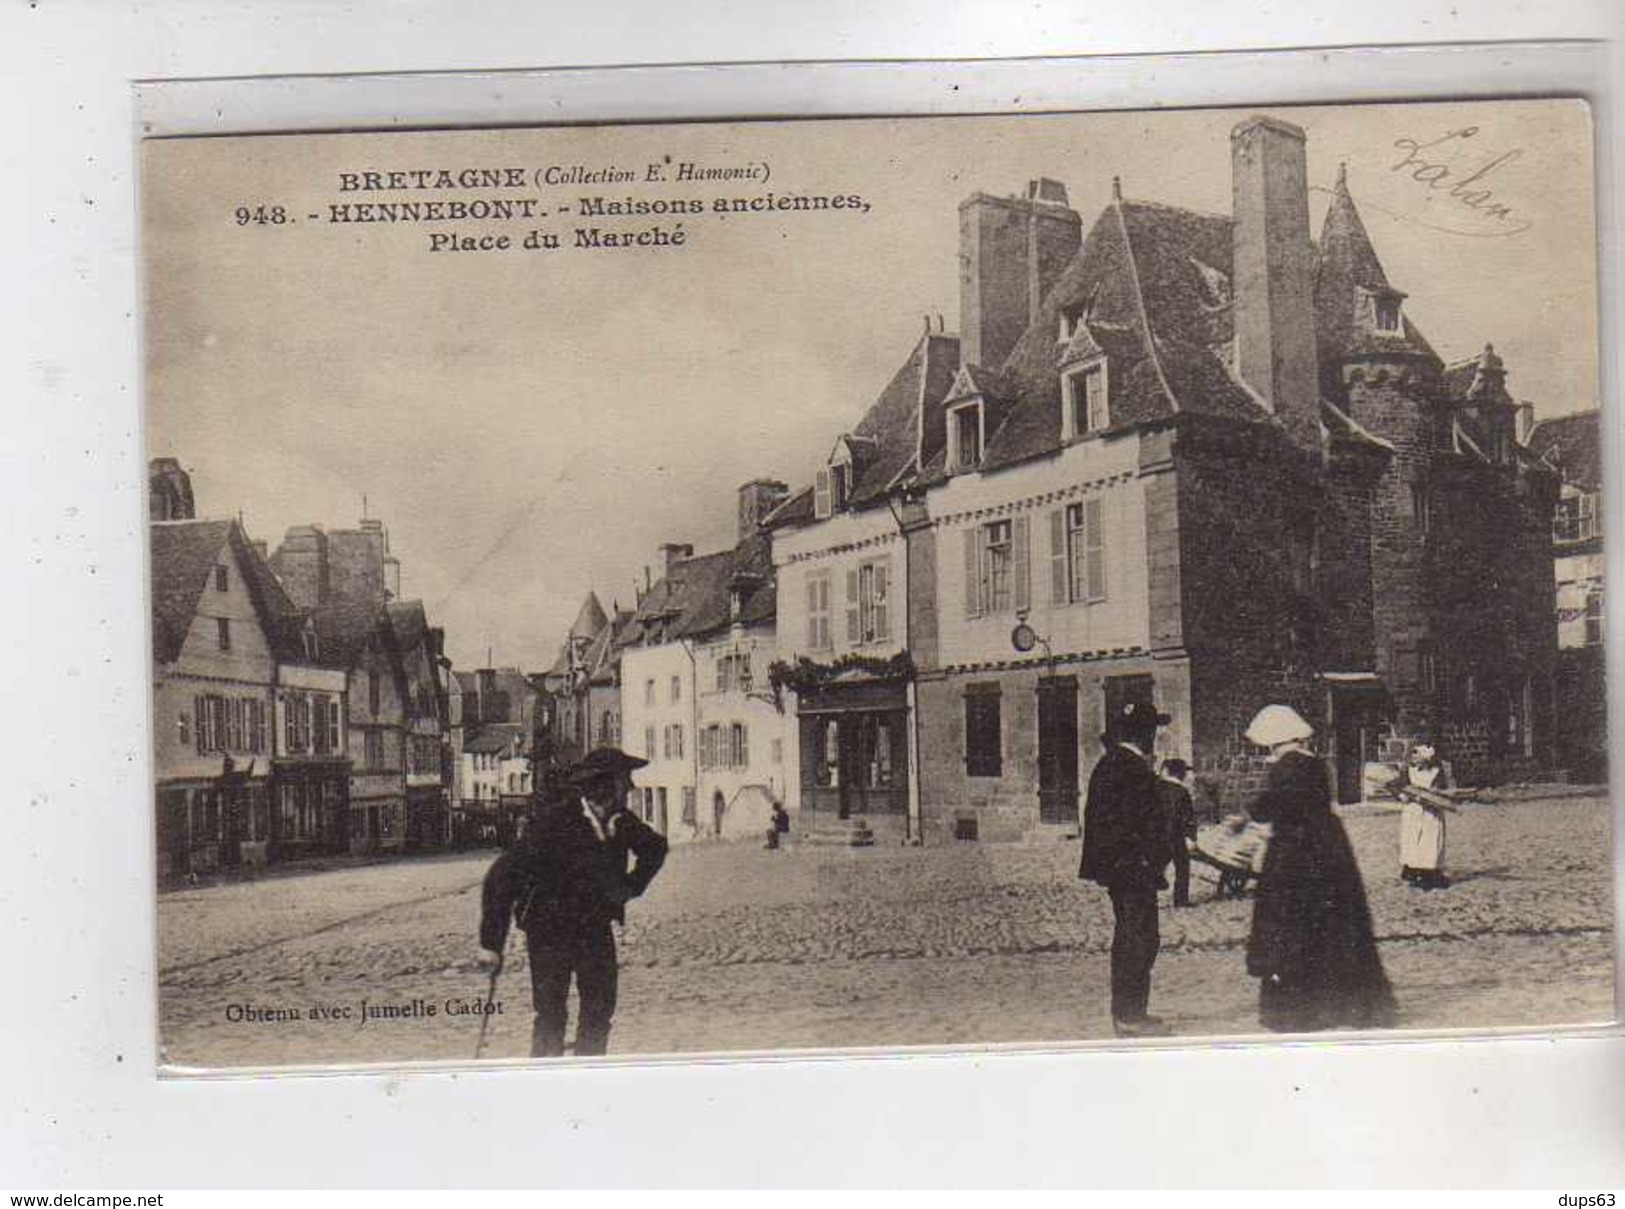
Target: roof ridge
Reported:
[(1156, 205), (1139, 308)]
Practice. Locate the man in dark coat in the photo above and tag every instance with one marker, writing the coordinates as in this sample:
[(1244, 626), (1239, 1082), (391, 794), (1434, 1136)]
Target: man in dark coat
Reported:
[(565, 883), (1180, 814), (1125, 848)]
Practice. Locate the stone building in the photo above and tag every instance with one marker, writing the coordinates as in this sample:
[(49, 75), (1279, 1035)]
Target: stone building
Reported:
[(1208, 462)]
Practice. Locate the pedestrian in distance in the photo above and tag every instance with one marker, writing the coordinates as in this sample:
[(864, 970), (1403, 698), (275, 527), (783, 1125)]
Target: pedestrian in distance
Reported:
[(1312, 946), (1125, 849), (1421, 821), (778, 826), (1174, 793), (565, 884)]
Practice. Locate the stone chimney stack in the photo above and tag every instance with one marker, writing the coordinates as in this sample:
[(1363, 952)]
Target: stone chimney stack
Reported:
[(672, 553), (169, 494), (756, 499), (1273, 284), (1011, 251), (301, 563)]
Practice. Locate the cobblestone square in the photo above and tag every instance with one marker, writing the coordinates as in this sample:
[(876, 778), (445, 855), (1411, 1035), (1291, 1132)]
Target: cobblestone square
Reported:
[(736, 948)]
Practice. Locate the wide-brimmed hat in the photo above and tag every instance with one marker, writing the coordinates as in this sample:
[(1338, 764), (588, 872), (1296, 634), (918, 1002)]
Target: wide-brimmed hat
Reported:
[(603, 764), (1277, 724)]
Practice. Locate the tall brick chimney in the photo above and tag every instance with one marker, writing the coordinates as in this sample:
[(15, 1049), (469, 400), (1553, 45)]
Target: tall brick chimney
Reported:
[(1011, 251), (1273, 284), (756, 499), (672, 553)]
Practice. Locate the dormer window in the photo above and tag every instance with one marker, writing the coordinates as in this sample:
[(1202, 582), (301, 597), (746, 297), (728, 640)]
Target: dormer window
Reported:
[(1386, 307), (830, 489), (965, 436), (1084, 410), (1069, 324)]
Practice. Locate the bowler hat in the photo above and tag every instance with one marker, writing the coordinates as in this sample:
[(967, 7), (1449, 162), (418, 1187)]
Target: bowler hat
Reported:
[(1140, 716), (602, 764)]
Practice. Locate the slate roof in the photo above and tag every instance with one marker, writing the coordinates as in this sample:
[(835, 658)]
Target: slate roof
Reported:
[(694, 599), (1572, 445), (494, 737), (590, 624), (1150, 287), (708, 598), (410, 625), (892, 423), (183, 557), (343, 630), (1346, 271)]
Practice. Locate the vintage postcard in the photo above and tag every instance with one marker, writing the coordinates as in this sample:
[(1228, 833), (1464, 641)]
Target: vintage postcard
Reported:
[(759, 586)]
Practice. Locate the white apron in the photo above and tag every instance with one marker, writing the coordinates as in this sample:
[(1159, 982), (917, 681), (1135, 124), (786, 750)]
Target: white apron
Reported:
[(1421, 829)]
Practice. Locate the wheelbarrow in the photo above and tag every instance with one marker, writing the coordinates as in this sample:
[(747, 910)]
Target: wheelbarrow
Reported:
[(1235, 850)]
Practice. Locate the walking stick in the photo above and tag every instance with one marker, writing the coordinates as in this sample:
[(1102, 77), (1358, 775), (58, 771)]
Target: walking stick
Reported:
[(491, 998)]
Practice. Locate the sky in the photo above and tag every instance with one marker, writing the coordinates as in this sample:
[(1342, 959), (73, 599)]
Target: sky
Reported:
[(533, 424)]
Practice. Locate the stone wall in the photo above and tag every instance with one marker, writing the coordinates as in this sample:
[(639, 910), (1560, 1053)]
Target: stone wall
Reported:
[(1251, 635)]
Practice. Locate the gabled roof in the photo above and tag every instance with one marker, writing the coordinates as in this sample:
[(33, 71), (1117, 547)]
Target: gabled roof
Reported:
[(747, 567), (1149, 288), (892, 423), (694, 599), (183, 556), (1572, 445), (343, 631)]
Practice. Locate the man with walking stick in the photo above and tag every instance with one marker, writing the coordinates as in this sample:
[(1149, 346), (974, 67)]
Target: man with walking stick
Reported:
[(565, 882)]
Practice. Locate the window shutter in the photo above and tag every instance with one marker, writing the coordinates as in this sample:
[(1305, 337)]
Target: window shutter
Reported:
[(973, 572), (882, 621), (1095, 549), (1021, 540), (821, 494), (812, 612), (744, 747), (1057, 557), (854, 633), (198, 724)]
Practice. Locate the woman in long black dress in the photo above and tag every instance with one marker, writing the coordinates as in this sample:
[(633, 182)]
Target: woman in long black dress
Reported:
[(1312, 945)]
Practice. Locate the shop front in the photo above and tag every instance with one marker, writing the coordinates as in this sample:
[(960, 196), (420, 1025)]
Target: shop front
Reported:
[(854, 756)]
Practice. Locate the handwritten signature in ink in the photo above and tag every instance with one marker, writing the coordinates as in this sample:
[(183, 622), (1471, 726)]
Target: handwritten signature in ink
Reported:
[(1434, 164)]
